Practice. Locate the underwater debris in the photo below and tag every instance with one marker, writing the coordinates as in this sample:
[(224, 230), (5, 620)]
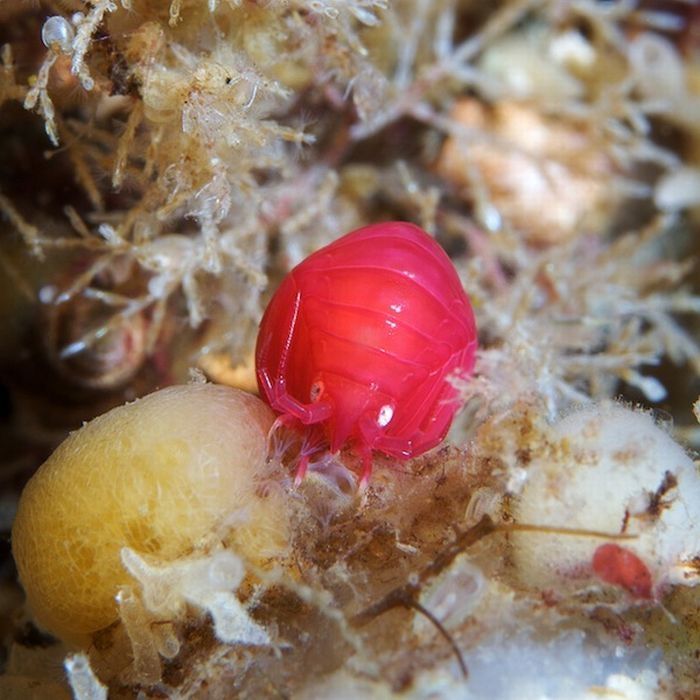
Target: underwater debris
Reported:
[(83, 682), (526, 162), (91, 346), (205, 149)]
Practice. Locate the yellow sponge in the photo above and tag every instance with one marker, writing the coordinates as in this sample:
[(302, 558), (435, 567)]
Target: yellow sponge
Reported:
[(158, 475)]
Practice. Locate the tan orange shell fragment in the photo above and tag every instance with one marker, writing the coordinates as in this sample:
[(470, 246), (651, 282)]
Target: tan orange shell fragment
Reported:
[(545, 177)]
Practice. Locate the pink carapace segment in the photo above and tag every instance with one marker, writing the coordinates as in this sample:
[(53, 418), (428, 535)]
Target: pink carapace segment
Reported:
[(622, 567), (360, 338)]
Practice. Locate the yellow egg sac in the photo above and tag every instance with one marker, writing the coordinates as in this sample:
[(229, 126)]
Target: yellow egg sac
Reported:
[(159, 475)]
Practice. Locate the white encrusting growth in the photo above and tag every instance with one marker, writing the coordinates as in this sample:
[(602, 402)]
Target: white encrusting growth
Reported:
[(208, 583), (609, 469), (82, 679)]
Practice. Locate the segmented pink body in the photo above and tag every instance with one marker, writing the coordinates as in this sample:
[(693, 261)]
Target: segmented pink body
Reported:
[(360, 338)]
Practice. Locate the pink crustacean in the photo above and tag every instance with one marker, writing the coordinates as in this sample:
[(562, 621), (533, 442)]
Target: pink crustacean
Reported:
[(620, 566), (357, 344)]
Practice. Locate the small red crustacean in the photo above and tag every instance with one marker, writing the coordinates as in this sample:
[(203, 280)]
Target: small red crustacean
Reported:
[(358, 342), (622, 567)]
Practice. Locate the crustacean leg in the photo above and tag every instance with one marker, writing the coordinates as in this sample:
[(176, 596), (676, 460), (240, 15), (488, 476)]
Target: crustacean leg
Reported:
[(311, 442)]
